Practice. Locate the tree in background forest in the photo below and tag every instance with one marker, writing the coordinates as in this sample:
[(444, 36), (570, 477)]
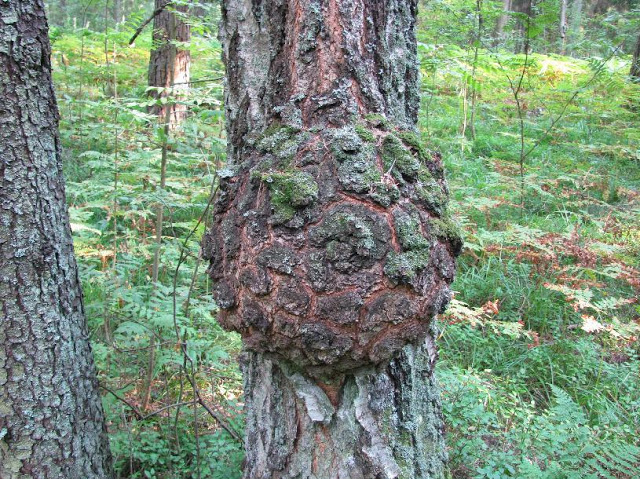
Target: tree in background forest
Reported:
[(170, 60), (635, 63), (51, 418), (331, 248)]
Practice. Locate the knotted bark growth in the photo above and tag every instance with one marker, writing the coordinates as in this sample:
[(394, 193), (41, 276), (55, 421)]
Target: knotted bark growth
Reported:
[(331, 249)]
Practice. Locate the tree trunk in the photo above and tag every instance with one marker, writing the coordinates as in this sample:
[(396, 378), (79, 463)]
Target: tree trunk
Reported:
[(331, 249), (635, 63), (117, 12), (563, 26), (575, 23), (382, 422), (170, 61), (502, 20), (523, 24), (51, 418)]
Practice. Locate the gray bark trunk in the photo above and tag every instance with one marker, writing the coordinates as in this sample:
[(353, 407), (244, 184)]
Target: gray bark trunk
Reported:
[(170, 62), (502, 20), (325, 249), (378, 423), (117, 12), (575, 23), (635, 63), (51, 419), (563, 25)]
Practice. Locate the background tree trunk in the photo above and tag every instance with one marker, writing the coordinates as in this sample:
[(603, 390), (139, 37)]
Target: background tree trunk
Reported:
[(575, 22), (502, 21), (170, 61), (330, 251), (117, 12), (523, 23), (563, 25), (51, 418), (635, 63)]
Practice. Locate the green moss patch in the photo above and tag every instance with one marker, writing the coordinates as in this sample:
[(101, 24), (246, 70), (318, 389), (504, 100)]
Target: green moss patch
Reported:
[(290, 191), (447, 230), (365, 134), (403, 267), (397, 158)]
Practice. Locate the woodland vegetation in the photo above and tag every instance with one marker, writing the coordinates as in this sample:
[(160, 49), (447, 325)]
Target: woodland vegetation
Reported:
[(536, 112)]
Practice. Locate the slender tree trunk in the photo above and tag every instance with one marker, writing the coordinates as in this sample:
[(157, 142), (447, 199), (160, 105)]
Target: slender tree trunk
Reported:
[(575, 23), (170, 60), (502, 21), (51, 418), (331, 250), (563, 26), (635, 63), (117, 11), (383, 422)]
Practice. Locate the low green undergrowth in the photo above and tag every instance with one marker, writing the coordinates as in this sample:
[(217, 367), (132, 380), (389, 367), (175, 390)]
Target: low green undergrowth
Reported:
[(539, 349)]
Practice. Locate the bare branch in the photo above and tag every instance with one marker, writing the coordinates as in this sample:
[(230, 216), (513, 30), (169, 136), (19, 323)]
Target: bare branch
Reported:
[(155, 13)]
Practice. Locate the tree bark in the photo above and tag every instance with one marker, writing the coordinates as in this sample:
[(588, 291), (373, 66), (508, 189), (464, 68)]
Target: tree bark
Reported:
[(525, 7), (170, 61), (502, 20), (51, 418), (635, 63), (575, 21), (331, 249), (382, 422), (117, 12), (563, 26)]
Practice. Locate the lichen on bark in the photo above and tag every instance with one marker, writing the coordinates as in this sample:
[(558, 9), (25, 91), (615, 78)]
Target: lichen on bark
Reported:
[(331, 250), (51, 419)]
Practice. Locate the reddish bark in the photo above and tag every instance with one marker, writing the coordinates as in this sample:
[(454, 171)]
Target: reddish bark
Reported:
[(170, 61), (331, 246)]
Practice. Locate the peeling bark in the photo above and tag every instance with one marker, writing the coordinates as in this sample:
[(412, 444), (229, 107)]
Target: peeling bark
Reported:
[(382, 422), (51, 418), (331, 249)]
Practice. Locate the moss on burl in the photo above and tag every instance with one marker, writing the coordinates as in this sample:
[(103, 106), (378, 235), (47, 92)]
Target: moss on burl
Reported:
[(445, 229), (378, 121), (397, 158), (290, 190), (364, 133), (283, 141), (409, 232), (404, 267), (414, 142)]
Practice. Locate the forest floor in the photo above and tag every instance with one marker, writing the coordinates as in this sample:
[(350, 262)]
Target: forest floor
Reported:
[(540, 358)]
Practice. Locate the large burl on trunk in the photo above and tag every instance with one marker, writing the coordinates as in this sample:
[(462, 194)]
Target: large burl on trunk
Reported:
[(331, 249)]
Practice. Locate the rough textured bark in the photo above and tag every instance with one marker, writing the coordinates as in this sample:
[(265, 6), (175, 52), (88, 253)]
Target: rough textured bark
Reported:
[(51, 419), (331, 249), (381, 422), (635, 63), (170, 62)]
